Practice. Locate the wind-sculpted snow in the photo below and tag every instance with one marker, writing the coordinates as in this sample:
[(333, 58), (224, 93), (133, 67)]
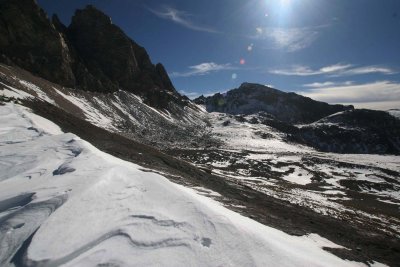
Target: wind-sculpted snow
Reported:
[(111, 213)]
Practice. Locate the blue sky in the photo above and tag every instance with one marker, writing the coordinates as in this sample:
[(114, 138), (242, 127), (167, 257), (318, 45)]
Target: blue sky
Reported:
[(338, 51)]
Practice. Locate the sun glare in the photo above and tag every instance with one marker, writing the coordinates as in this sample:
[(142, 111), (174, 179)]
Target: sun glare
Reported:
[(285, 2)]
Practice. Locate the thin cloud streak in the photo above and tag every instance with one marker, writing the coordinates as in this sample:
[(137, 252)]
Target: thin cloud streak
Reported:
[(336, 70), (327, 84), (368, 70), (203, 69), (289, 39), (378, 92), (300, 70), (181, 18)]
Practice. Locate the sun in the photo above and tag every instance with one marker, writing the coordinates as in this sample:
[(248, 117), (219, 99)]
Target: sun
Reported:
[(285, 2)]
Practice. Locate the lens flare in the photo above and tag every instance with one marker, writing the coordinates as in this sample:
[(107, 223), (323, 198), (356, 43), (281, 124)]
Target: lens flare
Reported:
[(234, 76), (285, 2), (242, 61)]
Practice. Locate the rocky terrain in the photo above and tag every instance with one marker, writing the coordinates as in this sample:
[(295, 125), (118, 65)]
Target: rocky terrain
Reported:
[(120, 112), (328, 128), (91, 54), (287, 107), (324, 177), (356, 131)]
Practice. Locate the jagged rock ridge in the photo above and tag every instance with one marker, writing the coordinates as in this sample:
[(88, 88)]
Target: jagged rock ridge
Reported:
[(91, 54), (30, 41)]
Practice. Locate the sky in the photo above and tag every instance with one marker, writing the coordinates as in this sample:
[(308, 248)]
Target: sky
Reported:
[(337, 51)]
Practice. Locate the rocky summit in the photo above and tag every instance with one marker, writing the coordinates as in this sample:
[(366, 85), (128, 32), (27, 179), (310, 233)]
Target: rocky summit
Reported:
[(250, 98), (91, 54), (29, 40)]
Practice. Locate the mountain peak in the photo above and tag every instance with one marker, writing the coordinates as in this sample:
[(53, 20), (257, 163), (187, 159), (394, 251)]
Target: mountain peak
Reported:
[(257, 86), (251, 98), (247, 84), (90, 14), (41, 50), (91, 54)]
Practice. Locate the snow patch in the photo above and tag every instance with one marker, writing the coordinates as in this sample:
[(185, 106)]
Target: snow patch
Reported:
[(42, 95), (299, 176)]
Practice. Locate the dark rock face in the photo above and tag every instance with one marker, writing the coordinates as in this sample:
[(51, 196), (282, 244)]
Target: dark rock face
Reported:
[(30, 41), (358, 131), (328, 128), (111, 56), (91, 54), (355, 131), (252, 98)]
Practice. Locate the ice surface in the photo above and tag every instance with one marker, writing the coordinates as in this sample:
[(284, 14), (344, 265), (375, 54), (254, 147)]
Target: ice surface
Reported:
[(109, 212)]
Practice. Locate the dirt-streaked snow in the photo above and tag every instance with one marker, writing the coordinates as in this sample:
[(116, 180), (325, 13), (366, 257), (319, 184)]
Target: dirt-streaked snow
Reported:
[(245, 136), (93, 209)]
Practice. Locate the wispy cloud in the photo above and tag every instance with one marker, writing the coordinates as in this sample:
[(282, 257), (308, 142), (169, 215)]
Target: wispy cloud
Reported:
[(203, 69), (289, 39), (368, 70), (301, 70), (377, 95), (327, 84), (180, 17), (336, 70)]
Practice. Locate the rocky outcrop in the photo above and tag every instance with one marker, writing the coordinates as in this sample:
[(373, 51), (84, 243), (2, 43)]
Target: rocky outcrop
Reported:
[(29, 40), (251, 98), (355, 131), (91, 54), (111, 55)]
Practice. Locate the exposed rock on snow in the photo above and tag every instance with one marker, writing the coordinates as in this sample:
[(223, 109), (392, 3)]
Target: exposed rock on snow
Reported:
[(355, 131), (328, 128)]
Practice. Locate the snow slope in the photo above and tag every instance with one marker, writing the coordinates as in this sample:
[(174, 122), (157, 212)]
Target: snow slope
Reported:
[(246, 136), (95, 209)]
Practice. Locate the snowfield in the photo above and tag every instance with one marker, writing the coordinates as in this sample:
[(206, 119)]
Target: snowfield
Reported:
[(83, 207), (362, 188)]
